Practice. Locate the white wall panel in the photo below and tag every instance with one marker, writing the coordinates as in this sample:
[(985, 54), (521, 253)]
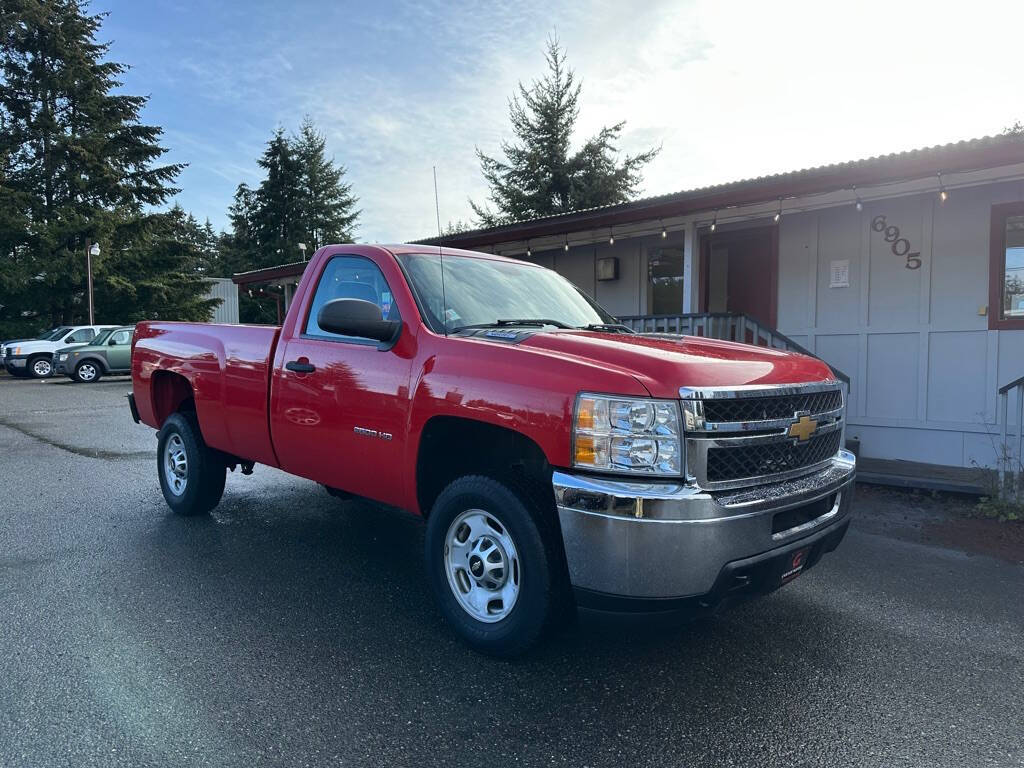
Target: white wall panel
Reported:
[(798, 236), (957, 362), (838, 309), (960, 232), (931, 446), (892, 375), (895, 291), (843, 352)]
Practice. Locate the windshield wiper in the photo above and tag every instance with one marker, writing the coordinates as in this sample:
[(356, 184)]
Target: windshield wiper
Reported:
[(608, 327), (502, 323)]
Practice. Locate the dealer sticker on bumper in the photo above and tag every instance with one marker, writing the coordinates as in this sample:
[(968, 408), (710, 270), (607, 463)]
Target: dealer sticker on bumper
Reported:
[(795, 565)]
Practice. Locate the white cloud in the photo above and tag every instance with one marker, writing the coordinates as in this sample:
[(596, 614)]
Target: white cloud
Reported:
[(729, 89)]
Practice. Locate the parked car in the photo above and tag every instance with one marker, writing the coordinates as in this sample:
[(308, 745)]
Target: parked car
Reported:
[(110, 353), (555, 454), (35, 358), (14, 342)]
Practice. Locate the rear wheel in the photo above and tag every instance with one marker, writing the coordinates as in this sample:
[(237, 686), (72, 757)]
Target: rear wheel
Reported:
[(40, 367), (493, 559), (87, 372), (191, 473)]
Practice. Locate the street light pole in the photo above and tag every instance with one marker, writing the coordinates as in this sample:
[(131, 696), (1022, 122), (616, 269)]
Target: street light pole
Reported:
[(91, 249)]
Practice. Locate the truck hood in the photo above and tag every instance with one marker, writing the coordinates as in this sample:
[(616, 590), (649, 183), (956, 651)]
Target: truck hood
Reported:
[(29, 347), (663, 364)]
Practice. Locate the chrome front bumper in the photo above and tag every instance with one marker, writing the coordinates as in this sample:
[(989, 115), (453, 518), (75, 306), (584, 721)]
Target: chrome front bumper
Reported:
[(662, 540)]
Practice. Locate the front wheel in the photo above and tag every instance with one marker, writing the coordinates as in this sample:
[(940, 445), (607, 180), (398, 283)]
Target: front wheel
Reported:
[(191, 473), (493, 559), (87, 372), (40, 367)]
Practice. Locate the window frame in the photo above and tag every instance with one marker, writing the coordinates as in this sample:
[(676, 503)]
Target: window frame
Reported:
[(997, 267), (336, 337)]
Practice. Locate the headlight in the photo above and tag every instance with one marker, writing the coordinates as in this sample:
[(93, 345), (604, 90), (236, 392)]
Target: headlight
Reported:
[(63, 357), (617, 434)]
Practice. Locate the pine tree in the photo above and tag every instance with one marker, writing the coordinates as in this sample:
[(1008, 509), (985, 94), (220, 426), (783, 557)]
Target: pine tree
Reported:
[(328, 206), (278, 215), (76, 164), (539, 175), (157, 273)]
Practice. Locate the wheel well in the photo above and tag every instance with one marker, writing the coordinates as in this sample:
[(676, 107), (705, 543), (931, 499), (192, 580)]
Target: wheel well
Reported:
[(172, 392), (451, 447)]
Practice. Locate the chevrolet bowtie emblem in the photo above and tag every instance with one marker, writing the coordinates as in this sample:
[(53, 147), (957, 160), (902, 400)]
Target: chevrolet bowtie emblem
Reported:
[(802, 429)]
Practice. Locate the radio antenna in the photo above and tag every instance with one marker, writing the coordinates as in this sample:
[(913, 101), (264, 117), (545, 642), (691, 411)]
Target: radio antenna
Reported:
[(440, 256)]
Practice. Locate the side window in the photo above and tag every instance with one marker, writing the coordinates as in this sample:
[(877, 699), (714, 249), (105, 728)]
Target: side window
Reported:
[(350, 277), (81, 336), (122, 337)]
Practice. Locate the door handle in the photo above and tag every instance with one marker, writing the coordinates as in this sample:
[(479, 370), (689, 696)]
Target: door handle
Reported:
[(297, 367)]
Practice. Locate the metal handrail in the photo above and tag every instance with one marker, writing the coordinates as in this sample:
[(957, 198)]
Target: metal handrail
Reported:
[(1011, 478), (728, 326)]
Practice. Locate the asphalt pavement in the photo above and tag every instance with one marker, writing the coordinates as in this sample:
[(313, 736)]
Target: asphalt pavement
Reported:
[(293, 629)]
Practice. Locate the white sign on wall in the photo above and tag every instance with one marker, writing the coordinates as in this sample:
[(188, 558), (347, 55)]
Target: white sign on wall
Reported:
[(839, 274)]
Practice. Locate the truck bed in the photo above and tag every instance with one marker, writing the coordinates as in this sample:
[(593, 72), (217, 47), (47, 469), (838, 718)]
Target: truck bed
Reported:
[(228, 367)]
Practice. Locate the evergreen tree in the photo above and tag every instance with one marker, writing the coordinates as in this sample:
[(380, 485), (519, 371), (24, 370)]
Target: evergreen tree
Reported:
[(539, 175), (327, 203), (278, 216), (76, 164), (157, 273)]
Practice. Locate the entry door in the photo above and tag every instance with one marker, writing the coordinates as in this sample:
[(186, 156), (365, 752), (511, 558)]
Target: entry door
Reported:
[(740, 273), (340, 419)]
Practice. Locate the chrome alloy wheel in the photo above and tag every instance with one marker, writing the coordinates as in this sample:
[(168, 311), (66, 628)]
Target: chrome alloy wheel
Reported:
[(482, 565), (87, 371), (42, 368), (175, 465)]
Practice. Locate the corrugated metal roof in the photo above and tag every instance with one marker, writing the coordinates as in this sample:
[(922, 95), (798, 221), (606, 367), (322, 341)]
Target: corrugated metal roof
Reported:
[(960, 156)]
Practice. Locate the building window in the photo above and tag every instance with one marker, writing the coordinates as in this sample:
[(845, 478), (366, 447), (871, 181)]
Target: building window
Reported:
[(1006, 275), (665, 282)]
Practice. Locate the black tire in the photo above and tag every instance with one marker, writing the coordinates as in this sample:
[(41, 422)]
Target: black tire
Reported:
[(40, 360), (88, 364), (528, 516), (205, 469)]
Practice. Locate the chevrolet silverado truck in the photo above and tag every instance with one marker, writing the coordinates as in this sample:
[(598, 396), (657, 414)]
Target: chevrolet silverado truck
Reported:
[(559, 459)]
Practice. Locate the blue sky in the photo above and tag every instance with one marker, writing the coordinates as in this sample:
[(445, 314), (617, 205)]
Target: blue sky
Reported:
[(729, 89)]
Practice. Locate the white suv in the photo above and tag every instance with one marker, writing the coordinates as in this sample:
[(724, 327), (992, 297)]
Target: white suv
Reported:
[(35, 358)]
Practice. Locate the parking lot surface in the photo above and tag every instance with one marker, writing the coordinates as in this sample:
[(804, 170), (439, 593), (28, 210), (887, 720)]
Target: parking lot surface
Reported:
[(290, 628)]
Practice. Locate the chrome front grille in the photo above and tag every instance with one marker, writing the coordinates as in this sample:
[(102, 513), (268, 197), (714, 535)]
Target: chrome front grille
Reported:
[(745, 436)]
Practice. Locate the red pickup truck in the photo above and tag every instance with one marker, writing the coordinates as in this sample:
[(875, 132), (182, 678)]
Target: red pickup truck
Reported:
[(558, 458)]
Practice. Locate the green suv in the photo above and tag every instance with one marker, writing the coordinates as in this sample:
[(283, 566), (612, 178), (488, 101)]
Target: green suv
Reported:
[(109, 353)]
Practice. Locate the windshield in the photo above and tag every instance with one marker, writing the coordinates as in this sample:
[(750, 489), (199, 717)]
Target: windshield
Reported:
[(485, 291), (54, 333), (101, 337)]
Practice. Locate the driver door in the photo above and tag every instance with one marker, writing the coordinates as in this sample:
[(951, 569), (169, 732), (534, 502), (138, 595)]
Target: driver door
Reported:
[(340, 404)]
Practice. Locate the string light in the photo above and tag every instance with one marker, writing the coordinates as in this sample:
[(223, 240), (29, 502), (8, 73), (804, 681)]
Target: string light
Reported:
[(859, 203), (611, 236), (566, 243), (664, 232), (529, 252), (714, 222), (943, 194), (778, 213)]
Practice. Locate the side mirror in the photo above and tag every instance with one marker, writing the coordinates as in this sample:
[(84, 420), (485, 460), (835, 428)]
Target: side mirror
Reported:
[(356, 317), (111, 343)]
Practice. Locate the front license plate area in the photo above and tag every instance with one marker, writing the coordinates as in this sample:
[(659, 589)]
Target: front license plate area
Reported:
[(793, 565)]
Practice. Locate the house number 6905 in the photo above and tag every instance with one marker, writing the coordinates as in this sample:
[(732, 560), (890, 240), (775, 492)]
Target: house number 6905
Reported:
[(900, 245)]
